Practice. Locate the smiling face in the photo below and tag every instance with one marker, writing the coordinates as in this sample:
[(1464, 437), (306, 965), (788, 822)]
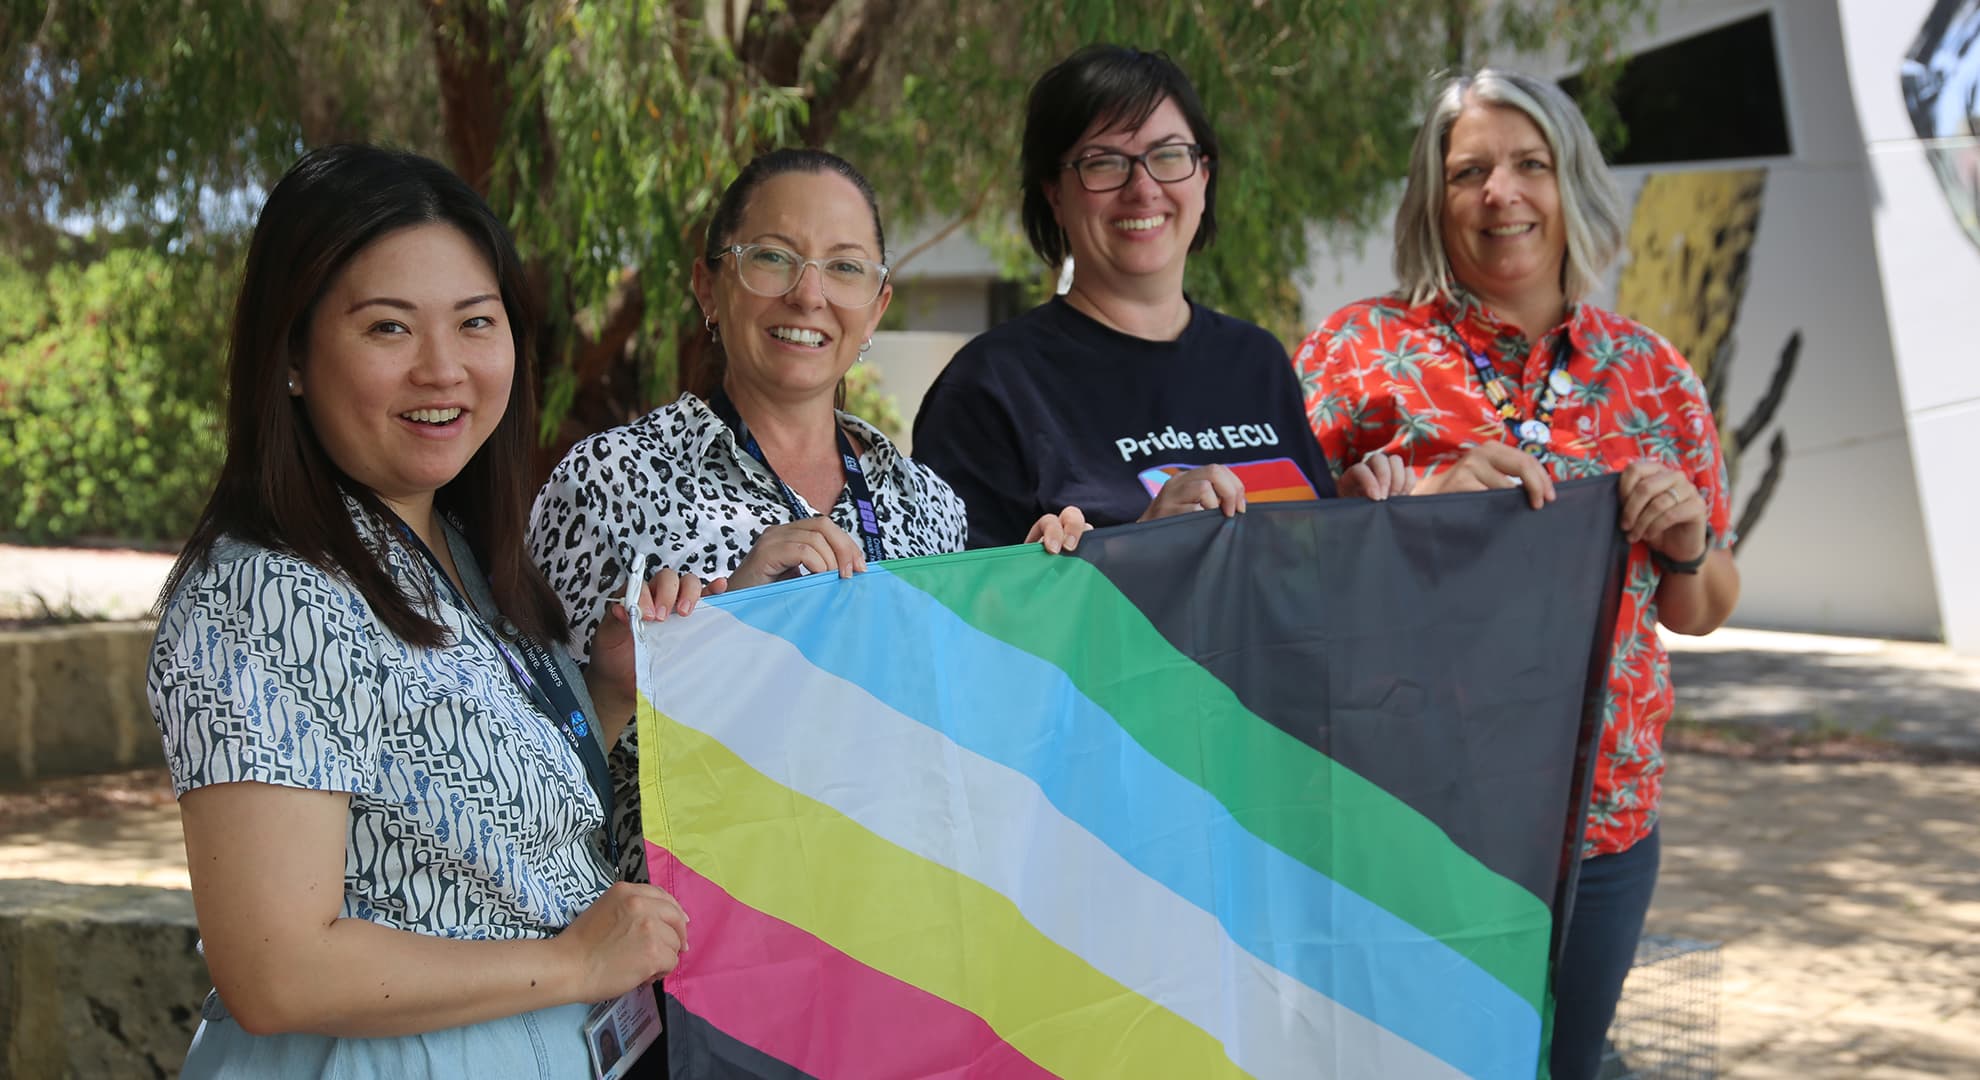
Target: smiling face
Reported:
[(409, 365), (799, 345), (1127, 239), (1502, 225)]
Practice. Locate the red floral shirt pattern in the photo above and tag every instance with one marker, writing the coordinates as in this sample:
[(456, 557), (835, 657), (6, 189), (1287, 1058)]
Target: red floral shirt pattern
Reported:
[(1384, 375)]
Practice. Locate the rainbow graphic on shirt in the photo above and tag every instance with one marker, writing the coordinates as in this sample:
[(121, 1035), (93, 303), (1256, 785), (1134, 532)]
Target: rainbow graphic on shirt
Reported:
[(1270, 480)]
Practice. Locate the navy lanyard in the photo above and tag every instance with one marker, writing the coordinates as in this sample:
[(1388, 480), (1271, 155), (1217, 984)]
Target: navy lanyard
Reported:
[(1535, 434), (537, 674), (862, 496)]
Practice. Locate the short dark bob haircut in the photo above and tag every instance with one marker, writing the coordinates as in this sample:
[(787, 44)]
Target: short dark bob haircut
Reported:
[(1122, 86), (278, 487)]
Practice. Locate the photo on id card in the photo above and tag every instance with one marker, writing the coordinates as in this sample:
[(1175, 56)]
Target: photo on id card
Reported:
[(619, 1031)]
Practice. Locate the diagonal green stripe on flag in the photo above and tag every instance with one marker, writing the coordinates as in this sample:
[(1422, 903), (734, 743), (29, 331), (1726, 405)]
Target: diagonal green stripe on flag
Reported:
[(1280, 789)]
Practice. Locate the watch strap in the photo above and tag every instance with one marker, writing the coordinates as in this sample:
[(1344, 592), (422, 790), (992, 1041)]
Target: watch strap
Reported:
[(1684, 566)]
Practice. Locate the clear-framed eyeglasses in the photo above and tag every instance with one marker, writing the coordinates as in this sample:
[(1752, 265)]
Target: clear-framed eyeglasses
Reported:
[(770, 270), (1166, 164)]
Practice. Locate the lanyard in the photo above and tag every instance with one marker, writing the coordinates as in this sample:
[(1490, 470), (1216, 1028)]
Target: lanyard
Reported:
[(1535, 434), (537, 674), (862, 496)]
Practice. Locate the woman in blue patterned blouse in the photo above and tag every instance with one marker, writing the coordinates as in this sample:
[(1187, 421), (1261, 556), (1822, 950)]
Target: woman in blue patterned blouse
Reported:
[(392, 786)]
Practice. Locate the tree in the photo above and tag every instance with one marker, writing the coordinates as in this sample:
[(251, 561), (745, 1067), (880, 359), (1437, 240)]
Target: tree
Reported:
[(603, 132)]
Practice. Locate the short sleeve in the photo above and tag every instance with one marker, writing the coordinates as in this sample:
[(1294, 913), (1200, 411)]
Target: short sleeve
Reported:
[(567, 540), (263, 669), (1701, 456), (1330, 388)]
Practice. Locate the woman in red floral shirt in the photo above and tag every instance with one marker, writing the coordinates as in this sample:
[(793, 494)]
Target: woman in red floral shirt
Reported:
[(1486, 369)]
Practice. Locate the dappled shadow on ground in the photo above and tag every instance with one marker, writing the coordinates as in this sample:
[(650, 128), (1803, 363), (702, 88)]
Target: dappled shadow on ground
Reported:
[(1903, 693), (1847, 896), (69, 797)]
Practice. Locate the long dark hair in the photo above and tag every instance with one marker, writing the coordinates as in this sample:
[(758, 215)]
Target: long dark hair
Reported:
[(728, 215), (1124, 87), (278, 488)]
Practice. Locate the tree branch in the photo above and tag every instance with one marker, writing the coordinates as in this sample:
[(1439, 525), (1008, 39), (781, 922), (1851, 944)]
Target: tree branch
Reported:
[(855, 56), (623, 314), (967, 216), (474, 95)]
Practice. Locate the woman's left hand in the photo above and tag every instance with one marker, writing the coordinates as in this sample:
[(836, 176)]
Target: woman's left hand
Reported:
[(1662, 509), (609, 674), (1059, 532), (1377, 477)]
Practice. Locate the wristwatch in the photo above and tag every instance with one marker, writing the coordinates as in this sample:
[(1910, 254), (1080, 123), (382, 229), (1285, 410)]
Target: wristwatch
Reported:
[(1683, 566)]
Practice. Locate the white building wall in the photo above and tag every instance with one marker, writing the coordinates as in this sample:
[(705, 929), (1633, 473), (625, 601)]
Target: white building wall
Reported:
[(1930, 276)]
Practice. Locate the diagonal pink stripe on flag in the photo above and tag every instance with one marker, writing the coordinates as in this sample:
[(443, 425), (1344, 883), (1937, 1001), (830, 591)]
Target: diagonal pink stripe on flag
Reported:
[(818, 1009)]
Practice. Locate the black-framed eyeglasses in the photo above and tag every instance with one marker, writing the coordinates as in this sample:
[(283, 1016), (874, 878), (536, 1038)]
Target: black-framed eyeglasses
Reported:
[(1165, 164), (770, 270)]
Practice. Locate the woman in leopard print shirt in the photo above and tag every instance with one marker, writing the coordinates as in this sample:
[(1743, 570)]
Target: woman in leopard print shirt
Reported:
[(767, 479)]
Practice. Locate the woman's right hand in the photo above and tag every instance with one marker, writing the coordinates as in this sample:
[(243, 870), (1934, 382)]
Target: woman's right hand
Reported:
[(815, 544), (1206, 487), (1059, 532), (631, 936), (1491, 466)]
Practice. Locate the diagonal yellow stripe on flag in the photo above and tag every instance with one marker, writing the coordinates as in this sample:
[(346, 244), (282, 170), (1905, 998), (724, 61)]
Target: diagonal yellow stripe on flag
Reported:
[(794, 858)]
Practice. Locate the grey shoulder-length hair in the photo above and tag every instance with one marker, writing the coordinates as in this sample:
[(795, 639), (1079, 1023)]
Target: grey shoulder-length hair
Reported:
[(1591, 206)]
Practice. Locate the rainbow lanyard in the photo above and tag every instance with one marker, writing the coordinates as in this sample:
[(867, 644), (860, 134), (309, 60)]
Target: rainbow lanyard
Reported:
[(1533, 435)]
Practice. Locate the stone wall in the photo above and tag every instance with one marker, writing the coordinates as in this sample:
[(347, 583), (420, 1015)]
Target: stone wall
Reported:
[(96, 980), (72, 701)]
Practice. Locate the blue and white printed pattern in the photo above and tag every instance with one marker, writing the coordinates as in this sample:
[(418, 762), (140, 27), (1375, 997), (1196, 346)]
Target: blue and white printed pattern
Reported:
[(471, 817)]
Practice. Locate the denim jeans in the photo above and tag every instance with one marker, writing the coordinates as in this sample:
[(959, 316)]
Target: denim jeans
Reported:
[(1609, 905)]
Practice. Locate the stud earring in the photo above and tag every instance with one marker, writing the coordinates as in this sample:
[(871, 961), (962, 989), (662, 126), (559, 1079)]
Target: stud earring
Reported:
[(292, 384)]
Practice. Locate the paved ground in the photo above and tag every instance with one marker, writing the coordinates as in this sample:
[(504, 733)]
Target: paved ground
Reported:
[(1847, 897), (1819, 823)]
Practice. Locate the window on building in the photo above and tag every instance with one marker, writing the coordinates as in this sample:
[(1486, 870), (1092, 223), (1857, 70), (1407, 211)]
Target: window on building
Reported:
[(1709, 97)]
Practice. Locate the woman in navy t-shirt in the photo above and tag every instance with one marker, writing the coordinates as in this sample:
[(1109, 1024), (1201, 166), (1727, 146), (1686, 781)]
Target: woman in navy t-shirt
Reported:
[(1123, 397)]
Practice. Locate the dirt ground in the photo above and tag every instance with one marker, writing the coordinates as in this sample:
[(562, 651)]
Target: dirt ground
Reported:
[(1847, 899)]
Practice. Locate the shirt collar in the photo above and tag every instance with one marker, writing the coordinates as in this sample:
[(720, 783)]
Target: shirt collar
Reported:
[(1488, 331), (707, 436)]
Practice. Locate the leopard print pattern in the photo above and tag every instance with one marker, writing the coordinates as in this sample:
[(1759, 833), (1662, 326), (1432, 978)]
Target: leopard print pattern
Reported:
[(674, 490)]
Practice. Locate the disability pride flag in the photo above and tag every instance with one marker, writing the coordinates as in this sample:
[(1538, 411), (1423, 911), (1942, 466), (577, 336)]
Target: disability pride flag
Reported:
[(1289, 795)]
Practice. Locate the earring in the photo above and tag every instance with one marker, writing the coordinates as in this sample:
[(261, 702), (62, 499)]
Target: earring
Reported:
[(714, 330), (292, 384), (865, 346)]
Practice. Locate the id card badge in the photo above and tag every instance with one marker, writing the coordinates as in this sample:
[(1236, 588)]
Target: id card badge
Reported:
[(619, 1031)]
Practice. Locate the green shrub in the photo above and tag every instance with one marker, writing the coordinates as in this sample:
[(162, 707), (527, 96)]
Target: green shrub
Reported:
[(110, 395)]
